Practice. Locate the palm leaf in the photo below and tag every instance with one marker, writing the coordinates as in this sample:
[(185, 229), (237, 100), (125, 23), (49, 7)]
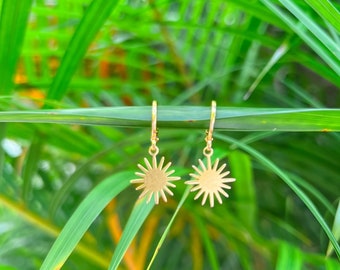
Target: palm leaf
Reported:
[(324, 120)]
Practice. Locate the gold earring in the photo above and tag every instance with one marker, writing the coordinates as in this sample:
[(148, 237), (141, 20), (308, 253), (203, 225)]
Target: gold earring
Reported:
[(210, 180), (155, 180)]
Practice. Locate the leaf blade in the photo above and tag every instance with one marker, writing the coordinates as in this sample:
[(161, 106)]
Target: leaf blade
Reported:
[(31, 165), (94, 17), (335, 230), (313, 27), (136, 220), (305, 36), (167, 229), (13, 22), (237, 119), (241, 168), (303, 197), (289, 257), (83, 217), (327, 11)]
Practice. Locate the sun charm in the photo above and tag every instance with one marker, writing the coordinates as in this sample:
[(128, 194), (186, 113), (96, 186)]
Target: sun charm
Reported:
[(210, 181), (155, 180)]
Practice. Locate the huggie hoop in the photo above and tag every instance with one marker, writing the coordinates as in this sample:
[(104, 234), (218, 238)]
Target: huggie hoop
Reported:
[(209, 138), (153, 150)]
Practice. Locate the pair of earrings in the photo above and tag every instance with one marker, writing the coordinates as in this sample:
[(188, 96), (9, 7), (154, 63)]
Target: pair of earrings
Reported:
[(209, 179)]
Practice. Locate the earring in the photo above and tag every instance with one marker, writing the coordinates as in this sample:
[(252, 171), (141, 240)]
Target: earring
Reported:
[(155, 180), (210, 180)]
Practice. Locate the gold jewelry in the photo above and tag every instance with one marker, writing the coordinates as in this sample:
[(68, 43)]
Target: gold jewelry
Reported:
[(210, 180), (155, 180)]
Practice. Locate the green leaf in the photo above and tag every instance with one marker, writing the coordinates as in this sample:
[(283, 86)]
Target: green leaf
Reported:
[(168, 227), (13, 22), (289, 258), (313, 27), (83, 217), (314, 191), (139, 213), (305, 36), (303, 197), (31, 165), (61, 195), (3, 128), (335, 230), (240, 119), (95, 16), (253, 8), (244, 188), (327, 11), (278, 54), (208, 243)]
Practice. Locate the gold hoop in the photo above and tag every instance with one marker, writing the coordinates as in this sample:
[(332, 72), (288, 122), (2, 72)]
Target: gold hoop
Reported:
[(209, 137), (153, 150)]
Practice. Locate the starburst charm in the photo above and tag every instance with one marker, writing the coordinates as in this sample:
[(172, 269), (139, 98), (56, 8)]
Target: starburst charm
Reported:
[(210, 181), (155, 180)]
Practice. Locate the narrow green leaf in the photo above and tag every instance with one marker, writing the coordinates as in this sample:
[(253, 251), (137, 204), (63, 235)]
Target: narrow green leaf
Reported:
[(62, 193), (289, 258), (289, 229), (60, 196), (95, 16), (278, 54), (31, 165), (191, 91), (167, 229), (13, 22), (255, 136), (253, 8), (327, 11), (313, 27), (250, 61), (139, 213), (83, 217), (208, 245), (304, 95), (303, 197), (2, 153), (335, 230), (305, 36), (314, 191), (241, 119), (244, 190)]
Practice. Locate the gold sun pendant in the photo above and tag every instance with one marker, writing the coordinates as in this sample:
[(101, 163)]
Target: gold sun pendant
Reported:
[(155, 180), (210, 181)]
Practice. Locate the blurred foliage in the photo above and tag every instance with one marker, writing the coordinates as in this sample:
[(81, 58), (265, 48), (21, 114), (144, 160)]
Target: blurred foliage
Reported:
[(60, 54)]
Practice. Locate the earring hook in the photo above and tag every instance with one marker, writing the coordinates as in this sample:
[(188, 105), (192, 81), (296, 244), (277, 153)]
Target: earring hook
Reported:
[(208, 151), (153, 150)]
